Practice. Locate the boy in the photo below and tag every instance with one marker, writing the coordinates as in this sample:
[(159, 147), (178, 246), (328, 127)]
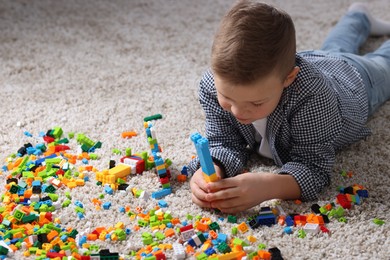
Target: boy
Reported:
[(295, 108)]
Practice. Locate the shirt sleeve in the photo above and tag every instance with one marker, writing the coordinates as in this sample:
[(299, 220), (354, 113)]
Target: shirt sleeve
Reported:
[(227, 145), (315, 125)]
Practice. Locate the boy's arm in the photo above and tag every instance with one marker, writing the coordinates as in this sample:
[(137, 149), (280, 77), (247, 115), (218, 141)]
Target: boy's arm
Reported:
[(315, 127), (227, 145)]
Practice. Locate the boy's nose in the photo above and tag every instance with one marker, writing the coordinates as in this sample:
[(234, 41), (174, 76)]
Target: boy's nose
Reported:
[(239, 113)]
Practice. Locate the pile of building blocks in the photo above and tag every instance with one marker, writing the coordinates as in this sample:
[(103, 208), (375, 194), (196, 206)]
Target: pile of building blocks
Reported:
[(29, 219), (116, 175)]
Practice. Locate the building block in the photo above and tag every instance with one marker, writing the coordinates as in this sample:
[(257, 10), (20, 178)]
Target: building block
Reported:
[(206, 162)]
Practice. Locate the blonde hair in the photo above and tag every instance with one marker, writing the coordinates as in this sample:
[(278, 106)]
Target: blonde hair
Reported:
[(253, 40)]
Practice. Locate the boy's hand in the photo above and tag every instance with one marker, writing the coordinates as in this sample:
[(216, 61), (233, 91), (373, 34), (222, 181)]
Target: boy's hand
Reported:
[(236, 194), (199, 187), (239, 193)]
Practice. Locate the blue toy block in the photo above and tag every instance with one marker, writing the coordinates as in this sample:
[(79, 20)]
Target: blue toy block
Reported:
[(108, 190), (203, 151), (106, 205), (80, 215), (191, 242), (288, 230), (362, 193), (222, 237), (161, 193), (162, 171), (79, 204), (210, 251), (266, 220), (289, 221), (162, 204), (158, 160), (36, 183)]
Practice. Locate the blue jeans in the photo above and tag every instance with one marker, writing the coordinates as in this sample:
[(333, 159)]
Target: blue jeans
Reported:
[(345, 40)]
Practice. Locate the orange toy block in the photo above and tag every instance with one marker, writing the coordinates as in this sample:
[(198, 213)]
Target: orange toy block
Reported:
[(128, 134), (169, 232), (181, 178)]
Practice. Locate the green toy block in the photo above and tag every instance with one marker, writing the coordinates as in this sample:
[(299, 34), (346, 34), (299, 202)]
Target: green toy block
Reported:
[(120, 181), (14, 189), (18, 215), (342, 219), (54, 197), (147, 238), (237, 241), (128, 151), (29, 218), (378, 221), (232, 219), (57, 132), (93, 156), (301, 233), (73, 233), (142, 223), (223, 248), (168, 162), (202, 256), (98, 145), (50, 189), (67, 194), (159, 236), (167, 216), (214, 226), (66, 203), (116, 151), (62, 141), (3, 250), (153, 117)]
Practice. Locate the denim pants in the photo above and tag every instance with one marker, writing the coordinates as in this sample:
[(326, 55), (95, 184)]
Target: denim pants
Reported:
[(344, 41)]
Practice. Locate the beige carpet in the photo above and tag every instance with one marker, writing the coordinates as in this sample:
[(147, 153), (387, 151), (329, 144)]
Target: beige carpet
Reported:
[(100, 67)]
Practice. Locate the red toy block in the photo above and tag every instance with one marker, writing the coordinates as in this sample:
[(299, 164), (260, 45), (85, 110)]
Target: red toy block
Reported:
[(343, 201), (54, 255), (185, 228)]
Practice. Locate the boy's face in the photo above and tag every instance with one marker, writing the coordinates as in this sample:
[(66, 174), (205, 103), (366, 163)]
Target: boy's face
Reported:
[(249, 103)]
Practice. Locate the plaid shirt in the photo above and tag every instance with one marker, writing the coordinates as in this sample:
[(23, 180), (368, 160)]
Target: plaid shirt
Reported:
[(324, 109)]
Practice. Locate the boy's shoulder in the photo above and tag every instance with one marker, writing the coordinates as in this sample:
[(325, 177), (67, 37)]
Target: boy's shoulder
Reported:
[(310, 78)]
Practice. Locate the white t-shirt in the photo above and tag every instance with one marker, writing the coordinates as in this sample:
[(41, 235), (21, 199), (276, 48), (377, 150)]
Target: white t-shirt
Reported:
[(261, 126)]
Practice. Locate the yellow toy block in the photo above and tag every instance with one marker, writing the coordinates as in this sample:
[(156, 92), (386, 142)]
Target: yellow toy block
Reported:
[(161, 167), (252, 239), (80, 182), (120, 171), (232, 256), (120, 225), (71, 184), (210, 178)]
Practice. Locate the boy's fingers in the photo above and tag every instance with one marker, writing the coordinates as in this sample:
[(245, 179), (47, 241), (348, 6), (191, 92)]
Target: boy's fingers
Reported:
[(201, 203), (221, 185), (222, 195)]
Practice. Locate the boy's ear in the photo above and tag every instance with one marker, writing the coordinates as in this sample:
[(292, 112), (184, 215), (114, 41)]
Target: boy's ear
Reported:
[(291, 77)]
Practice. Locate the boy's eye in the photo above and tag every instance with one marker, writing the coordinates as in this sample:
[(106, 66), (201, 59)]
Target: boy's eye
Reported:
[(257, 104)]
